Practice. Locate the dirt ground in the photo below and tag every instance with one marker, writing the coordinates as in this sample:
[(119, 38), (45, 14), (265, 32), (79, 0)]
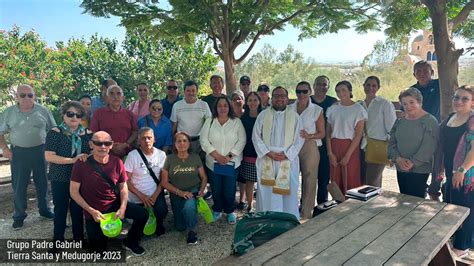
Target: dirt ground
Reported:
[(214, 239)]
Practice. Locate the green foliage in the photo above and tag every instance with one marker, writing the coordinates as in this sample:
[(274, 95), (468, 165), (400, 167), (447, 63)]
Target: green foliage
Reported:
[(404, 16), (387, 52), (229, 24), (289, 67), (71, 70)]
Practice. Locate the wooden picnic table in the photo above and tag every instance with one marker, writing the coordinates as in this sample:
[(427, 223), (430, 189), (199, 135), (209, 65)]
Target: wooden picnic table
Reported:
[(390, 229)]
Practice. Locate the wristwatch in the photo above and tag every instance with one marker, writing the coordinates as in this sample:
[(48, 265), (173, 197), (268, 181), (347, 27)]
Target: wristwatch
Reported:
[(461, 170)]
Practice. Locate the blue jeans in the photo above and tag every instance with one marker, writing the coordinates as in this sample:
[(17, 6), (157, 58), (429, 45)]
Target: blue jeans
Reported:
[(223, 191), (184, 212), (25, 160)]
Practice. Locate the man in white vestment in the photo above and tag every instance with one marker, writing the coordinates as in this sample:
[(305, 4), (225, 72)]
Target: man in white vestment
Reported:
[(277, 141)]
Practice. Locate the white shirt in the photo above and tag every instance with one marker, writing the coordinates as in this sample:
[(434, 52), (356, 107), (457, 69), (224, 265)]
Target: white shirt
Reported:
[(309, 117), (190, 117), (141, 178), (381, 119), (225, 139), (343, 119)]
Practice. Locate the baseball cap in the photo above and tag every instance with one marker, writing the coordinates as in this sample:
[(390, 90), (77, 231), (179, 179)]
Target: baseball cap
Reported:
[(244, 79)]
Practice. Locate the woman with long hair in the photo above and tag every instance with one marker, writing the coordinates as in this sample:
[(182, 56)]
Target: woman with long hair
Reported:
[(248, 169), (313, 131), (381, 116), (343, 135), (456, 156), (183, 176), (223, 139)]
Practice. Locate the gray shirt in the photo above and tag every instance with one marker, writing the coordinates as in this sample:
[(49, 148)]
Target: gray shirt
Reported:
[(415, 140), (27, 129)]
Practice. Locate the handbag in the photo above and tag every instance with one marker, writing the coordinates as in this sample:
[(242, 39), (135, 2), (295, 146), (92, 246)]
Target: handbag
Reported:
[(225, 169), (376, 151)]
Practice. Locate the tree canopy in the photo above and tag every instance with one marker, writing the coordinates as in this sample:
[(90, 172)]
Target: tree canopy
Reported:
[(230, 24), (446, 18), (72, 69)]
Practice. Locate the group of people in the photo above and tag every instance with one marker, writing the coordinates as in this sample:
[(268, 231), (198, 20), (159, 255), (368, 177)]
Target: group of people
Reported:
[(239, 140)]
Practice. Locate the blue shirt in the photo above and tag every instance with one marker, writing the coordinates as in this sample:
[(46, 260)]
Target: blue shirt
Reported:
[(167, 106), (162, 131), (96, 103)]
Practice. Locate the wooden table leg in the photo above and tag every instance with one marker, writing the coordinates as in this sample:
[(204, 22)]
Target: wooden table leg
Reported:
[(444, 257)]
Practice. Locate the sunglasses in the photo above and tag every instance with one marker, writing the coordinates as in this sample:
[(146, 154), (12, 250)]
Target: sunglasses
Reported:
[(154, 108), (102, 143), (302, 91), (265, 89), (172, 87), (464, 99), (23, 95), (71, 114)]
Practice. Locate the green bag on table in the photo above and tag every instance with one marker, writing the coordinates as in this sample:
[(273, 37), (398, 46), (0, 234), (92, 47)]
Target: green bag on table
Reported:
[(204, 210), (255, 229)]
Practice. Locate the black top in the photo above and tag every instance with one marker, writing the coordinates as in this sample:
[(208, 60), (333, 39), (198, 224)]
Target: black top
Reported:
[(328, 101), (450, 137), (249, 122), (60, 143), (431, 100), (210, 100)]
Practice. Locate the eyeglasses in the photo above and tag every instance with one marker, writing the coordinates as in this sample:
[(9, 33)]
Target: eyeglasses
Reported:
[(154, 108), (102, 143), (464, 99), (71, 114), (302, 91), (279, 96), (172, 87), (23, 95), (263, 88)]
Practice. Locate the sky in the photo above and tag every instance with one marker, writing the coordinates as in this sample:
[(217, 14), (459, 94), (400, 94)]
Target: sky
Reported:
[(60, 20)]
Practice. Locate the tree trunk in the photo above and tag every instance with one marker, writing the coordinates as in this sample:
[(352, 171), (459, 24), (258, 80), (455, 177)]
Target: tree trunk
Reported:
[(229, 68), (447, 54)]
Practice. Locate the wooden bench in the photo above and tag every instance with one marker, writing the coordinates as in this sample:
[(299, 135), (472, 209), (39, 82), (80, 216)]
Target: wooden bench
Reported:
[(391, 229)]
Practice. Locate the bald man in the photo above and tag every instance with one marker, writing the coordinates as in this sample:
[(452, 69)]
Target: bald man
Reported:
[(99, 186), (27, 123)]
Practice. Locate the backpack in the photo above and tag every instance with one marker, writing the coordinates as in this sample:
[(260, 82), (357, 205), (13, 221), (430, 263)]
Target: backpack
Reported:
[(255, 229)]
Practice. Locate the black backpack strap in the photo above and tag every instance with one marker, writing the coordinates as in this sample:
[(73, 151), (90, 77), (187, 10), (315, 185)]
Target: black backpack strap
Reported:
[(107, 179), (148, 167)]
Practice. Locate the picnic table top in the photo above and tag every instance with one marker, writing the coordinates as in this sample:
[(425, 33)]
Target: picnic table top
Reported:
[(389, 229)]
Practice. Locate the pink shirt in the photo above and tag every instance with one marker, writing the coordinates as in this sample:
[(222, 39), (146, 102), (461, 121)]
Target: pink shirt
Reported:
[(139, 113)]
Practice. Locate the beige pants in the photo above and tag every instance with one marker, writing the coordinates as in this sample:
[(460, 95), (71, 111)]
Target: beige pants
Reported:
[(309, 162)]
